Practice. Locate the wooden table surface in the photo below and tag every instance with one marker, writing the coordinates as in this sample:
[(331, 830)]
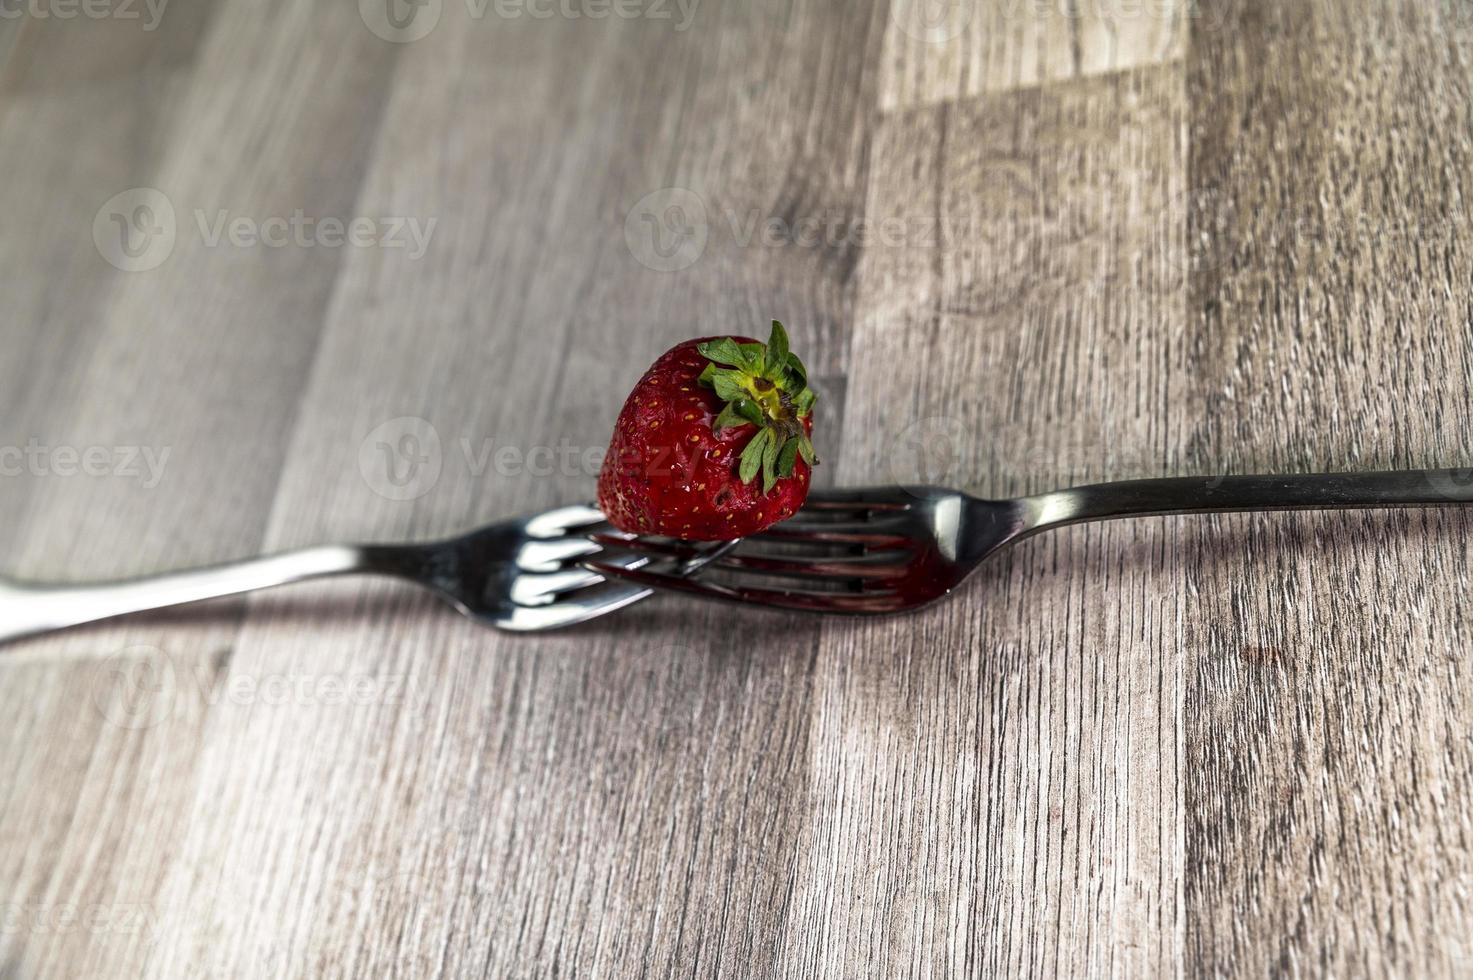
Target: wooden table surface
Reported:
[(1021, 244)]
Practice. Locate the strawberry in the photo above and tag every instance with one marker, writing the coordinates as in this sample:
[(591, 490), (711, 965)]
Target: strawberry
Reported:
[(713, 443)]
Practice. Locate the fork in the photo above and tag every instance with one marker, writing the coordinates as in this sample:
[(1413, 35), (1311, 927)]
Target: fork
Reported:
[(517, 575), (908, 546)]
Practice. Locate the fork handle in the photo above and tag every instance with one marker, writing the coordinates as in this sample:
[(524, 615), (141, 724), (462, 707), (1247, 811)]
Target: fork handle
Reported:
[(1227, 494), (30, 608)]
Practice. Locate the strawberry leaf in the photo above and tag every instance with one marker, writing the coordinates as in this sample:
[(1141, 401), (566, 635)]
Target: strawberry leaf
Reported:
[(748, 410), (763, 385), (753, 454), (730, 385), (795, 365), (769, 461), (787, 457), (730, 417), (805, 449), (756, 355), (777, 351), (724, 351)]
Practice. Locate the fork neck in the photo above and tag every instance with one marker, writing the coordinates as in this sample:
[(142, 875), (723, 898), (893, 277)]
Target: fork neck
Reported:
[(1226, 494)]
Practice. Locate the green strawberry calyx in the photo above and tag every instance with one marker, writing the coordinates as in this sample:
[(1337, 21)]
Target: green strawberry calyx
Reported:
[(764, 385)]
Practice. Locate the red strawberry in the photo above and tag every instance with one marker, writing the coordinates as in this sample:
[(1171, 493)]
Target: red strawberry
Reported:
[(713, 443)]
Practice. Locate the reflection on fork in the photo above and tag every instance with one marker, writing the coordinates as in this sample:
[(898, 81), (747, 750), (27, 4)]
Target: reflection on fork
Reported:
[(519, 575), (890, 549)]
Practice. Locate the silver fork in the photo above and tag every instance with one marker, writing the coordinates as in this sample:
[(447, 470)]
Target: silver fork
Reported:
[(517, 575), (909, 546)]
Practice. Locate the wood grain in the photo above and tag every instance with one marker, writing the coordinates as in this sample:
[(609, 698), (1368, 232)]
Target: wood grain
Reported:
[(998, 778), (1020, 244), (1330, 311), (202, 358), (943, 50), (620, 734)]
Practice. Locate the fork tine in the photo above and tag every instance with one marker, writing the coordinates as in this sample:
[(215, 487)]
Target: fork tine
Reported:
[(869, 602), (542, 587), (550, 555), (563, 520), (871, 567), (593, 601), (811, 533), (806, 522), (624, 541), (855, 498)]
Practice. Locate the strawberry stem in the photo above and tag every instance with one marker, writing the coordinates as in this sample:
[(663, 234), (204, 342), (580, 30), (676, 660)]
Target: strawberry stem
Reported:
[(764, 385)]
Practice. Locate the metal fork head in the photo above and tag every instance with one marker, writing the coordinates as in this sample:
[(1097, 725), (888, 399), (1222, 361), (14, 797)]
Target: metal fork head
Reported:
[(861, 551), (523, 574)]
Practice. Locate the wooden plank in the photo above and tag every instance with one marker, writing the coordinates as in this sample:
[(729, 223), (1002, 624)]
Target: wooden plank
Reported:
[(996, 782), (56, 285), (623, 799), (201, 356), (940, 50), (1328, 707), (1054, 246)]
